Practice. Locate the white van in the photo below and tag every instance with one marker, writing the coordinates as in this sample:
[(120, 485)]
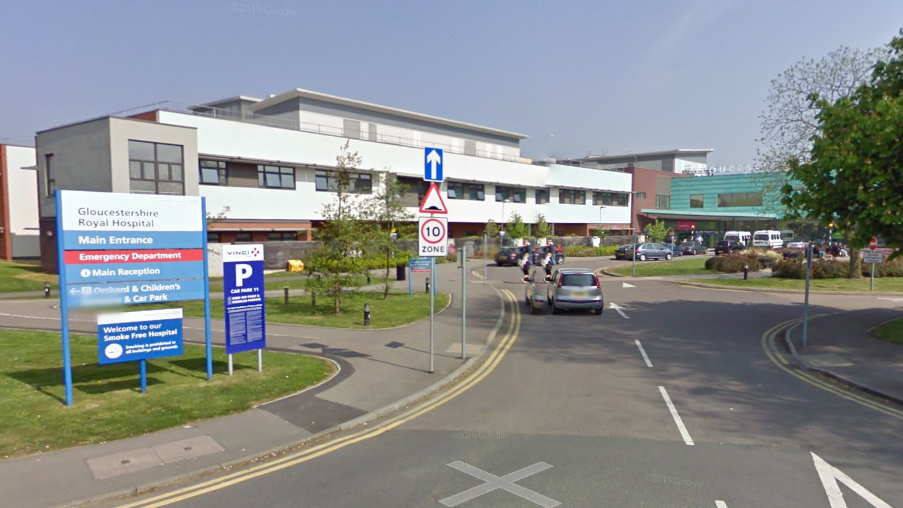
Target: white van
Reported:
[(769, 239), (738, 236)]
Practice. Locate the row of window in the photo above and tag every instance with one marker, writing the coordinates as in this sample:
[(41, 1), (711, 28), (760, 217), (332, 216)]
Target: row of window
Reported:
[(731, 200), (276, 236)]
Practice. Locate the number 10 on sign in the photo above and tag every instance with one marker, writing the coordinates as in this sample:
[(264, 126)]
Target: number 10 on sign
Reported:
[(433, 236)]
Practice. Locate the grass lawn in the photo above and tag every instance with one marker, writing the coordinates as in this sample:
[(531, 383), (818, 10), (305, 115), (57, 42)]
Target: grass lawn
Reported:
[(692, 266), (20, 276), (884, 284), (397, 310), (292, 280), (107, 402), (891, 332)]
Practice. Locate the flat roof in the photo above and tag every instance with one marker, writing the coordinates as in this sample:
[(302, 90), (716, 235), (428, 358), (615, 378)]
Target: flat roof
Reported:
[(676, 151), (223, 101), (308, 94)]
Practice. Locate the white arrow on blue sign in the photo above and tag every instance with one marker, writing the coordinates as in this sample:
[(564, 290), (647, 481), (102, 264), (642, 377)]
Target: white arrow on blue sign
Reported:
[(433, 160)]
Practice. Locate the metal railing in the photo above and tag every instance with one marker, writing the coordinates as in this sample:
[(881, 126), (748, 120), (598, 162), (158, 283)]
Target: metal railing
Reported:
[(327, 130)]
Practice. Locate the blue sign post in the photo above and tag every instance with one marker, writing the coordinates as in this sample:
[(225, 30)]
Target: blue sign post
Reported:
[(433, 162), (243, 288), (139, 336), (128, 249)]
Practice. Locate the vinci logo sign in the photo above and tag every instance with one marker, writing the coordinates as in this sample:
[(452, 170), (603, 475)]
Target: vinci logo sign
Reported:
[(243, 285)]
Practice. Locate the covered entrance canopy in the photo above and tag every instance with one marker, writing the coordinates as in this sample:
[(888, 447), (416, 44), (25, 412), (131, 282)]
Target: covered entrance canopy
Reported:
[(711, 225)]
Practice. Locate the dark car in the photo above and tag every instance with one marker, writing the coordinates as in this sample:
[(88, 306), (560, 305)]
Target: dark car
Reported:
[(727, 246), (675, 249), (621, 252), (693, 248), (508, 256), (646, 251)]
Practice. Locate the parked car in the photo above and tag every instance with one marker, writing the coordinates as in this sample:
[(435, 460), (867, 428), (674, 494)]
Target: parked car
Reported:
[(574, 288), (798, 243), (621, 252), (676, 251), (646, 251), (693, 248), (536, 294), (508, 256), (727, 246), (539, 253)]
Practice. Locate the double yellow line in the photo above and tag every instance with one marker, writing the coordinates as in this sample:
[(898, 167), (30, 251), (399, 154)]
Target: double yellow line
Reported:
[(302, 456), (768, 344)]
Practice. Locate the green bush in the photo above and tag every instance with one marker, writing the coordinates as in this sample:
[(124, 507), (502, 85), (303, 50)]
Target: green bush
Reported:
[(583, 251), (710, 263), (892, 269), (789, 269), (734, 263), (821, 269)]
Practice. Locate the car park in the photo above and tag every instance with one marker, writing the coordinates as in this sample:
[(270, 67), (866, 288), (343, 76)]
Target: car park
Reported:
[(728, 246), (646, 251), (574, 289), (508, 256), (693, 248)]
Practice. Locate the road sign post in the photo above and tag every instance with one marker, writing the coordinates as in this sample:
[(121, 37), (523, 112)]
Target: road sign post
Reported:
[(432, 312), (806, 298), (634, 255), (433, 164), (463, 254), (485, 264)]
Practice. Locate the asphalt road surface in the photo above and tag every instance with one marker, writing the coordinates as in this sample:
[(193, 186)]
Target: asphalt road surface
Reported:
[(675, 403)]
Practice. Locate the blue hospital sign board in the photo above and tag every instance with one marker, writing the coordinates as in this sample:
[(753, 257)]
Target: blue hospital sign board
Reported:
[(141, 335), (420, 264), (243, 288), (433, 162)]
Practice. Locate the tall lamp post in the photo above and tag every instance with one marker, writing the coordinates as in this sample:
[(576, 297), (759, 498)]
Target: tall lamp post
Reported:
[(599, 233), (504, 217)]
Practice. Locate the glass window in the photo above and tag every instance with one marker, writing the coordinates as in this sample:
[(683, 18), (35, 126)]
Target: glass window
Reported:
[(243, 237), (542, 196), (50, 179), (155, 168), (326, 181), (282, 236), (571, 197), (513, 194), (697, 200), (662, 202), (276, 177), (622, 199), (739, 199), (212, 172), (641, 195), (602, 198), (469, 191), (213, 237)]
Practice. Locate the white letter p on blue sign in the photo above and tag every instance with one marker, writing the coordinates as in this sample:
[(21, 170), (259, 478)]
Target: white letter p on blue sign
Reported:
[(242, 272)]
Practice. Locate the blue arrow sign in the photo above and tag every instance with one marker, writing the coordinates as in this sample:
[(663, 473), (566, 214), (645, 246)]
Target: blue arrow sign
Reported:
[(433, 160)]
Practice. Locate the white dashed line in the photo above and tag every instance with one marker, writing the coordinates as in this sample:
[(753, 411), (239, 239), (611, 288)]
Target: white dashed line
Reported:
[(643, 352), (720, 504), (680, 424)]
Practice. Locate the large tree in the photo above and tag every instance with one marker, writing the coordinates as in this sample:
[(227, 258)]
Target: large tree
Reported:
[(386, 213), (516, 228), (853, 176)]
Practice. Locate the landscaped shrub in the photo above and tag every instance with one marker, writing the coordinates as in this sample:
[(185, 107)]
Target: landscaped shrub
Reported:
[(733, 263), (710, 263), (829, 269), (583, 251), (789, 269), (892, 269)]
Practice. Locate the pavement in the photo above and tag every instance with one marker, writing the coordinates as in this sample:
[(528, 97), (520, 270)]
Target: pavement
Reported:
[(378, 370)]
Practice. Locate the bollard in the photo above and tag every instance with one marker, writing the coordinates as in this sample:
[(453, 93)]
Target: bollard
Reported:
[(427, 285), (285, 290), (366, 314), (313, 298), (745, 272), (47, 289), (368, 278)]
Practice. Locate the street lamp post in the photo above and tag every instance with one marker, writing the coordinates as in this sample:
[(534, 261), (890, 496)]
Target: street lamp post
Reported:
[(504, 217)]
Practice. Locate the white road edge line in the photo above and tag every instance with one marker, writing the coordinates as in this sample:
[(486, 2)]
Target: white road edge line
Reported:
[(643, 352), (720, 504), (677, 420)]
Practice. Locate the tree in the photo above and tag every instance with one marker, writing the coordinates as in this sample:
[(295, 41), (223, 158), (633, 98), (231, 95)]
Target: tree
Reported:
[(492, 229), (385, 211), (516, 227), (339, 260), (852, 176), (219, 216), (657, 231), (790, 119), (541, 229)]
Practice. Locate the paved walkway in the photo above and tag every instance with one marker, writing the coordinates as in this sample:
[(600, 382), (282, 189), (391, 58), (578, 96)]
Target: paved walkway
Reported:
[(378, 368), (841, 346)]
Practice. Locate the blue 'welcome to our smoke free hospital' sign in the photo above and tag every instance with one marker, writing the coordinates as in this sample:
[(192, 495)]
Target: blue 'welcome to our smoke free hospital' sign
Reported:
[(141, 335), (243, 288)]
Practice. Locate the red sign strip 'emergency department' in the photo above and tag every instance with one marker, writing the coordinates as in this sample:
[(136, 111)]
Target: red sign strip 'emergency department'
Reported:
[(84, 257)]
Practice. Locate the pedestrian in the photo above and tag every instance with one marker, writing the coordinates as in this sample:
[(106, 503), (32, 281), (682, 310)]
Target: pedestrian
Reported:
[(525, 263), (547, 263)]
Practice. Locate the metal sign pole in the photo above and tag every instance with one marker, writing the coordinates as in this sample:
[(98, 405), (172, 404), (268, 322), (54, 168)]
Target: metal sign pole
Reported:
[(208, 339), (806, 300), (230, 363), (260, 360), (872, 282), (432, 313), (464, 302), (485, 249), (634, 255), (143, 369), (64, 300)]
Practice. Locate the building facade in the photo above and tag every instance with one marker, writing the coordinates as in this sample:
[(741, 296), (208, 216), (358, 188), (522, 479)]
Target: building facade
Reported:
[(266, 166), (19, 231)]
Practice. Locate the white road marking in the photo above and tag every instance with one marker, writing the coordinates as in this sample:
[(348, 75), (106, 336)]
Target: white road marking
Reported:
[(493, 482), (720, 504), (643, 352), (680, 423), (892, 299), (830, 475), (613, 305), (626, 285)]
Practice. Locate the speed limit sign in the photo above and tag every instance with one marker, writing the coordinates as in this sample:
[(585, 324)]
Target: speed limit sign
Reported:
[(433, 236)]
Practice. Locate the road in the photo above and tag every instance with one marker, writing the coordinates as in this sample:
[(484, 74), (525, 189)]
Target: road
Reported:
[(673, 402)]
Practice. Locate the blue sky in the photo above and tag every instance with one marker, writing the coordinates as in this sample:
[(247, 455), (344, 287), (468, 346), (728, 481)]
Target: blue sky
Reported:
[(576, 76)]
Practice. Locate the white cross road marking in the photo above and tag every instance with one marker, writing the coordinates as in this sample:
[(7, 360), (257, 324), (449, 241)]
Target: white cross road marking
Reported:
[(680, 423), (494, 483)]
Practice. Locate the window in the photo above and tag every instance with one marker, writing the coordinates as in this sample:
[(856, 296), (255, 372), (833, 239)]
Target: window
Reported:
[(641, 195), (155, 168), (213, 238), (360, 183), (276, 177), (663, 202), (611, 198), (469, 191), (542, 196), (414, 190), (212, 172), (243, 237), (513, 194), (49, 178), (697, 200), (282, 236), (571, 197), (739, 199)]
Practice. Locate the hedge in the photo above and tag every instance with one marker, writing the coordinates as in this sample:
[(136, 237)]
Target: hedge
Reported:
[(833, 269), (734, 263), (582, 251)]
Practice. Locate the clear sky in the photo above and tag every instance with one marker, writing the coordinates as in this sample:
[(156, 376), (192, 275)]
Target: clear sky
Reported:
[(576, 76)]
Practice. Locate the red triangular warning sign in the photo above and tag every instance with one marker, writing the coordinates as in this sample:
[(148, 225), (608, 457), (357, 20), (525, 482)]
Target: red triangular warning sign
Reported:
[(433, 202)]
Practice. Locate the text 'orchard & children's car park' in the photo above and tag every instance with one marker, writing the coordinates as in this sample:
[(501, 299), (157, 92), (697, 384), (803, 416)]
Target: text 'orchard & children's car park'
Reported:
[(568, 289)]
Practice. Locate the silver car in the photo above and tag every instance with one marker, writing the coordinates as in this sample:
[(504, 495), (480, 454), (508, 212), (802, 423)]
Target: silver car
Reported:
[(574, 288), (646, 251), (535, 293)]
